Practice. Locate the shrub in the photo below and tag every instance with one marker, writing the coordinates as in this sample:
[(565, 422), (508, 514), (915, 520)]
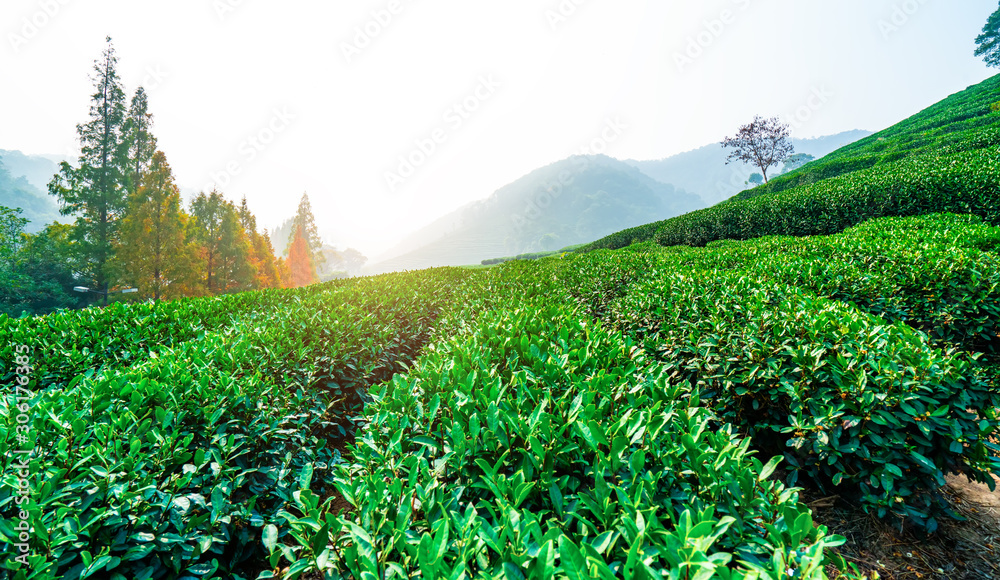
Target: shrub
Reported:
[(864, 406)]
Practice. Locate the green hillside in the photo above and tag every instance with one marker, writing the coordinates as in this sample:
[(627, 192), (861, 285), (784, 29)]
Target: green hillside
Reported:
[(945, 158), (965, 121)]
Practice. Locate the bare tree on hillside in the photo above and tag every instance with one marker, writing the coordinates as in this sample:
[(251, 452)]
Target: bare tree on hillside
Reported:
[(764, 143)]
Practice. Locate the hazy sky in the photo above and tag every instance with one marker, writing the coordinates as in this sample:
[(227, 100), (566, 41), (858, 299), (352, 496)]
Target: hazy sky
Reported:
[(275, 98)]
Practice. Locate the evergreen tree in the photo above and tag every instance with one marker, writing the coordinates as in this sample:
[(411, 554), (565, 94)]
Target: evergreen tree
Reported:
[(139, 139), (36, 271), (988, 43), (154, 254), (12, 236), (207, 212), (284, 272), (228, 250), (236, 272), (300, 262), (96, 190), (268, 274), (247, 219)]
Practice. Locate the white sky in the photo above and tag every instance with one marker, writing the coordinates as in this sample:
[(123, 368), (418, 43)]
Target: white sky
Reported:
[(218, 70)]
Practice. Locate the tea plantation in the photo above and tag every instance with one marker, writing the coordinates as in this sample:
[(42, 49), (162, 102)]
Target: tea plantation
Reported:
[(616, 414), (646, 410)]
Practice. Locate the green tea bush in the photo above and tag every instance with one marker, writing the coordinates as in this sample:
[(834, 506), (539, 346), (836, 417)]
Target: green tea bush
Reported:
[(961, 183), (172, 466), (69, 343), (595, 415), (536, 445), (341, 344), (864, 406), (962, 122), (168, 468), (938, 273)]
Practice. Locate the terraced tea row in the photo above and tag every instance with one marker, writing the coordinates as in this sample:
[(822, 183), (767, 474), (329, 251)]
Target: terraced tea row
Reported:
[(172, 464), (535, 444), (965, 121), (959, 183), (826, 370)]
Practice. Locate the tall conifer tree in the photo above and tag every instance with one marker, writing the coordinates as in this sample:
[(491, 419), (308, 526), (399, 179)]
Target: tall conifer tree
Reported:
[(300, 262), (139, 139), (207, 212), (263, 258), (96, 190)]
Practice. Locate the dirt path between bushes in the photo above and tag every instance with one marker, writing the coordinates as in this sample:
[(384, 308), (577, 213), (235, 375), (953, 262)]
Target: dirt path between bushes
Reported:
[(958, 550)]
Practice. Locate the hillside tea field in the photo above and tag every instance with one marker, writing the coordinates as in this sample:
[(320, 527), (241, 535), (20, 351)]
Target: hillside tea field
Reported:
[(640, 413), (943, 159)]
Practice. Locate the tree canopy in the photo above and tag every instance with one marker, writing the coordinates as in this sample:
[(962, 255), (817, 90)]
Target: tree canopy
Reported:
[(988, 43), (763, 143)]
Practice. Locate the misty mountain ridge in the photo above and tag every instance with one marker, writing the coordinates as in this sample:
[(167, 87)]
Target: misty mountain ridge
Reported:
[(567, 202), (38, 170), (19, 178), (703, 171), (562, 204)]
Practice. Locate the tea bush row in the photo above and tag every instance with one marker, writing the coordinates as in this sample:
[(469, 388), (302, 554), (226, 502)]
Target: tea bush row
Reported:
[(960, 183), (535, 444), (854, 394), (173, 465)]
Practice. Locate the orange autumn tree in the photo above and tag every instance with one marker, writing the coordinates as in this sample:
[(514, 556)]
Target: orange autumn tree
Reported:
[(268, 271), (300, 261), (153, 252)]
